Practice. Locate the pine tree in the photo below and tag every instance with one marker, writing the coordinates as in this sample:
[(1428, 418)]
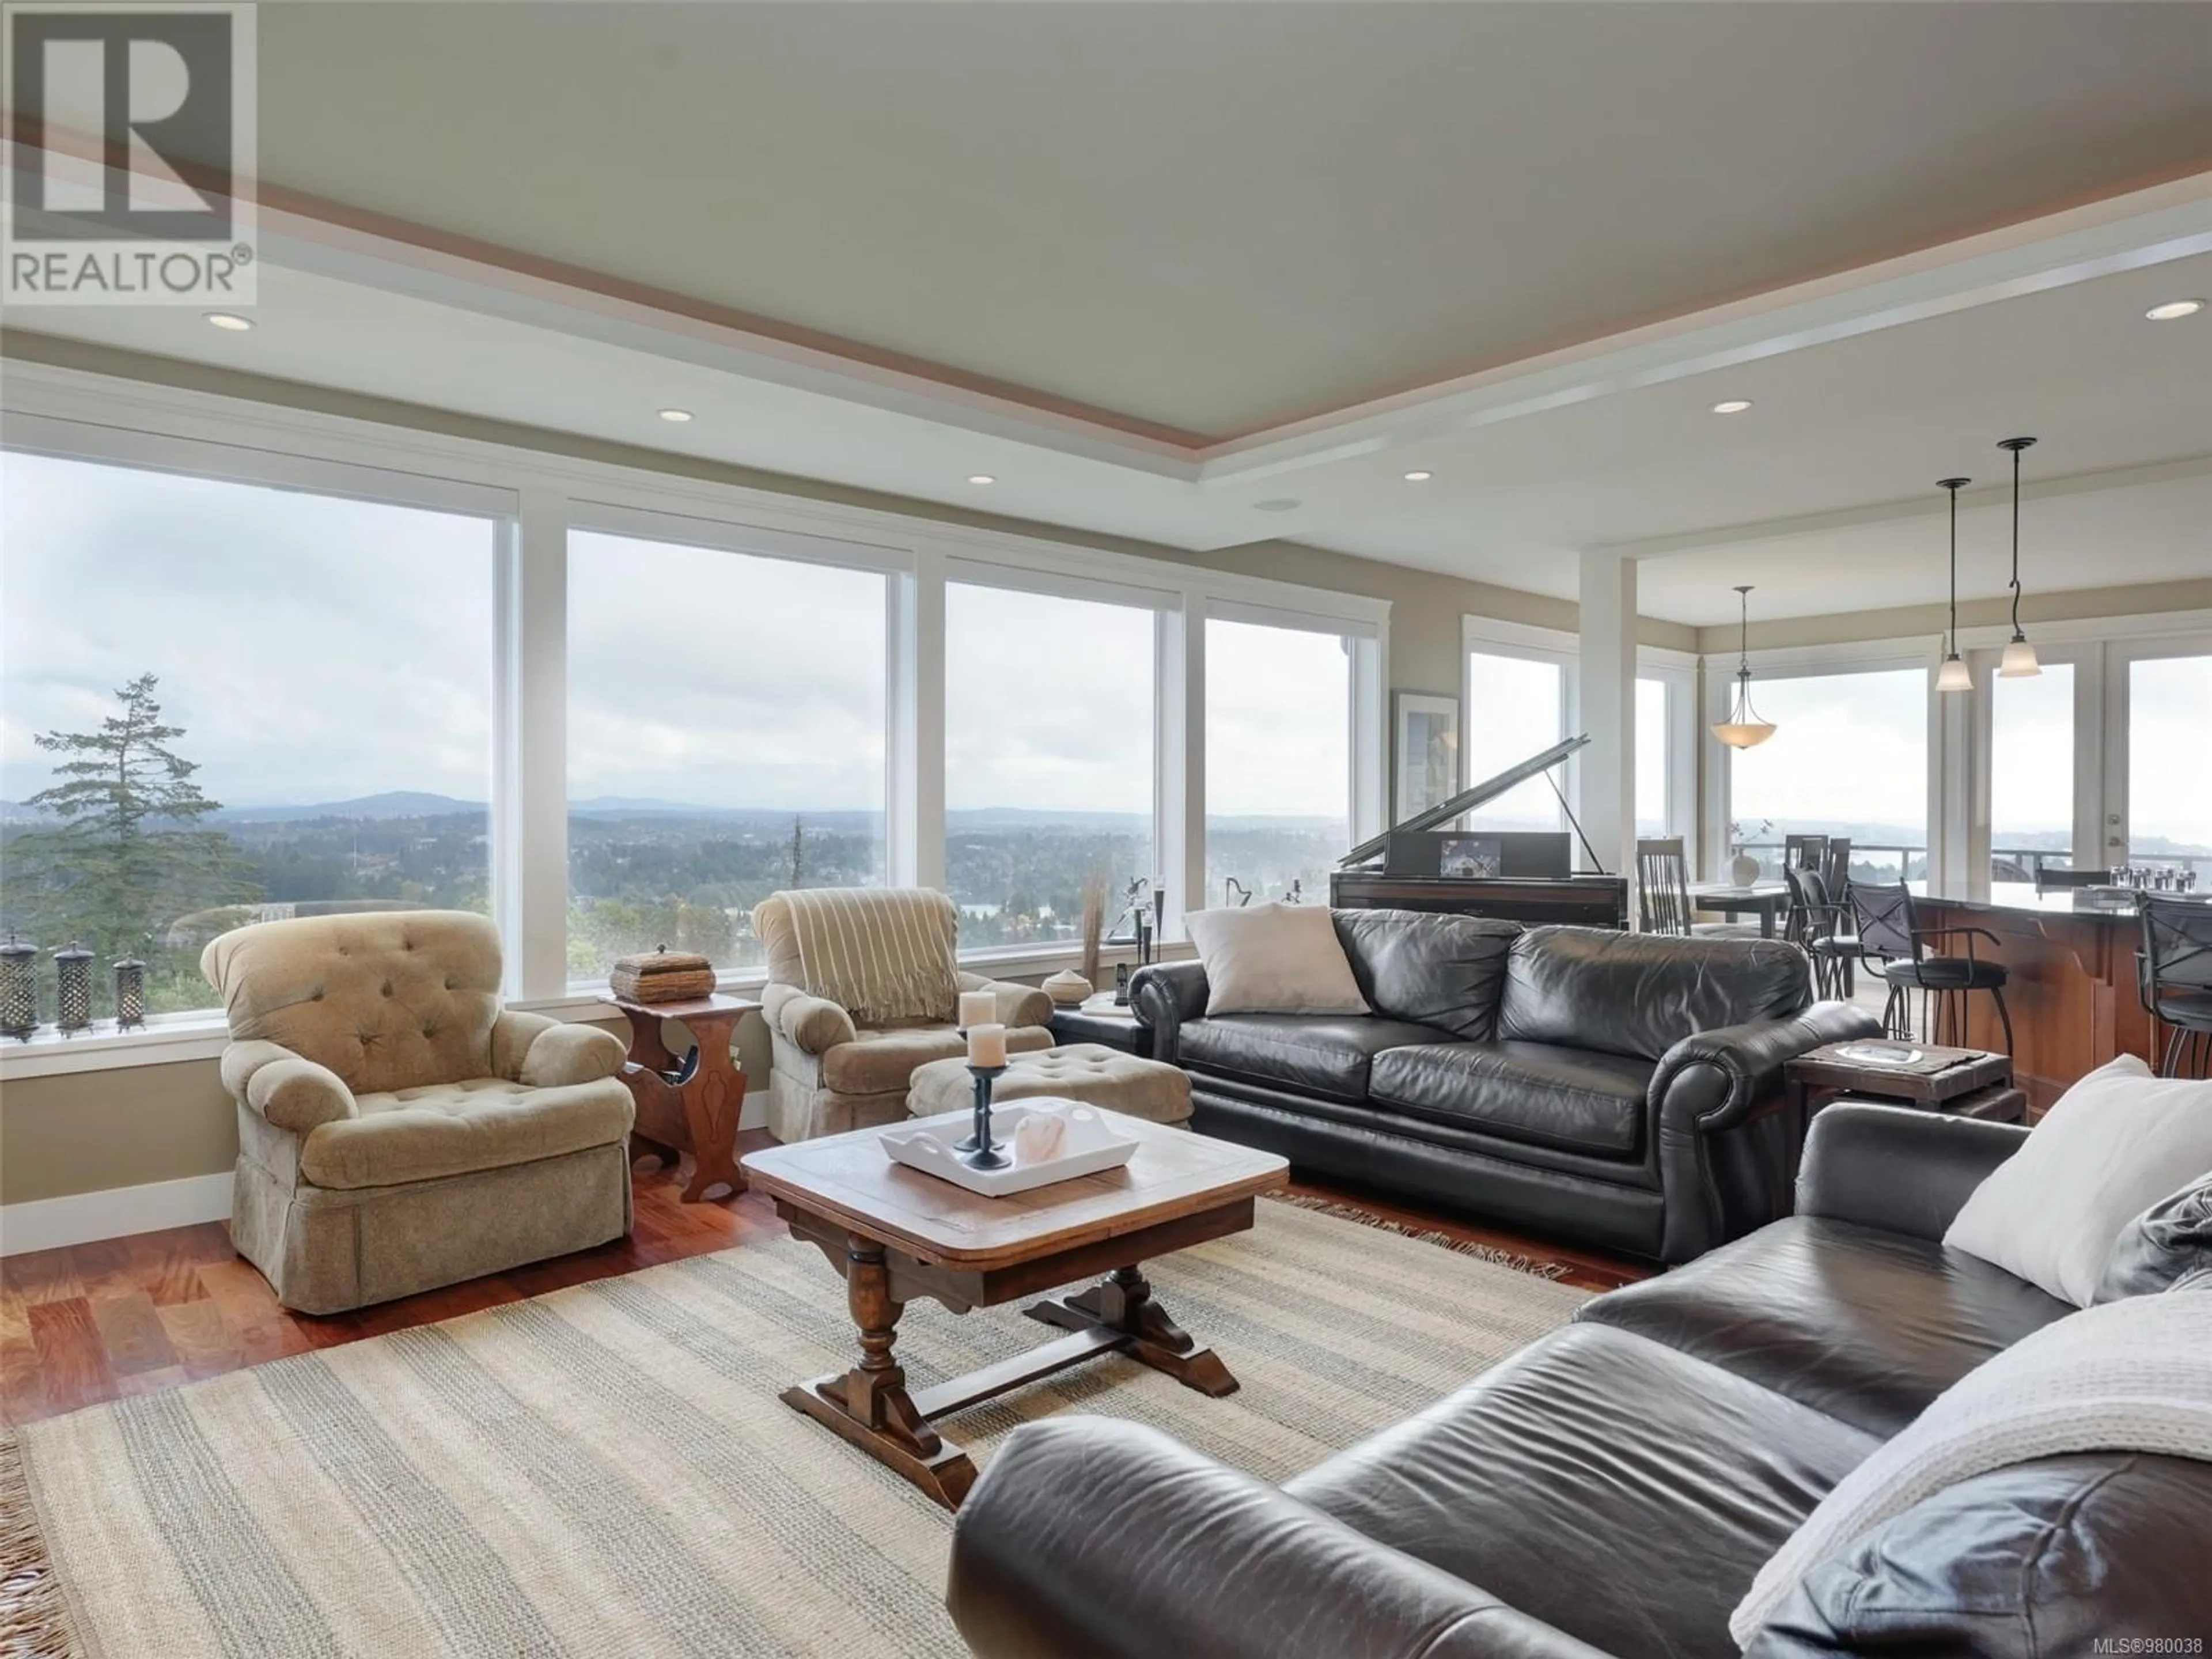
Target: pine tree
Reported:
[(127, 859), (797, 850)]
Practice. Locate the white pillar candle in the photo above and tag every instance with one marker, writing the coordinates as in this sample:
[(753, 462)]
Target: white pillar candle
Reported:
[(987, 1045), (977, 1008)]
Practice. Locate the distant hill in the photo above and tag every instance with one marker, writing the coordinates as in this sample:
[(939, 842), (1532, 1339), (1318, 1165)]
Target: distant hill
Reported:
[(393, 804)]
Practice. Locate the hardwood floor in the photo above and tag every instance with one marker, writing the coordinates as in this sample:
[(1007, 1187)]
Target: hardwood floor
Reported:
[(132, 1315)]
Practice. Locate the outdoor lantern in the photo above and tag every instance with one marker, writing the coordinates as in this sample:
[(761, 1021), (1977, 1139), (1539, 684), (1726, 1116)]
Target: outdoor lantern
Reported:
[(73, 988), (129, 993), (18, 989)]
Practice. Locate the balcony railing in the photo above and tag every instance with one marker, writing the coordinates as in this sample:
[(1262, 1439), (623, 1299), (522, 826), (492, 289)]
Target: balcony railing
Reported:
[(1875, 863)]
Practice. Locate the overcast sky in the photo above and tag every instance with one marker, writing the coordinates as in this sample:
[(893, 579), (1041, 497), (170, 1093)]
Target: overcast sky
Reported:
[(319, 649)]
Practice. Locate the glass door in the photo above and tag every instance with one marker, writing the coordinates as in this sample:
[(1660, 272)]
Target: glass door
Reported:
[(2159, 792)]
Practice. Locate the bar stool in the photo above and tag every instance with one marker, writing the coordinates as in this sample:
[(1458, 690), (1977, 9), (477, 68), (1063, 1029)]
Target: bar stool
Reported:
[(2175, 980), (1892, 945)]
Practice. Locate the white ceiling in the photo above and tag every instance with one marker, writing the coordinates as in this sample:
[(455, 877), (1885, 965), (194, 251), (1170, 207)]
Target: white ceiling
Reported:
[(1868, 385)]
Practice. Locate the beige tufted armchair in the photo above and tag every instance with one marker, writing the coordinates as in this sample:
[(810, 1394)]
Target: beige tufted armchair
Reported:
[(398, 1129), (838, 1063)]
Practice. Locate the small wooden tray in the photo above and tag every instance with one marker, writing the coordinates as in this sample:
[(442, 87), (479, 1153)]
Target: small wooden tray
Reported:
[(1090, 1146)]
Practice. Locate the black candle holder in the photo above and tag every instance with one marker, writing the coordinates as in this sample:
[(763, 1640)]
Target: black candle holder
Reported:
[(979, 1151)]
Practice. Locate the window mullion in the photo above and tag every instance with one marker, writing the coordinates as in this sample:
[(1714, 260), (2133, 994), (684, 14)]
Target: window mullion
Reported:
[(530, 802)]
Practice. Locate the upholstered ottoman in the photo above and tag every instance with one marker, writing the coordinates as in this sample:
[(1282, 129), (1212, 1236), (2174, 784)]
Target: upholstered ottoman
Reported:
[(1088, 1071)]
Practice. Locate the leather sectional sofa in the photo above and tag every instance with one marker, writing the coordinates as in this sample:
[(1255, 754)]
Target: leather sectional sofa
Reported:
[(1614, 1487), (1623, 1091)]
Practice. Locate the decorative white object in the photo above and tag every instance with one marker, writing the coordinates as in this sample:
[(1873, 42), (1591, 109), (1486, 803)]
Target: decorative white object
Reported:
[(1066, 989), (987, 1045), (1743, 869), (1274, 959), (978, 1008), (2115, 1143), (1090, 1143), (1040, 1138)]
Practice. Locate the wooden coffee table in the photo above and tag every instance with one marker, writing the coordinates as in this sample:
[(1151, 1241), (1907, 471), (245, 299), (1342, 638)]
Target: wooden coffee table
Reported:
[(896, 1234)]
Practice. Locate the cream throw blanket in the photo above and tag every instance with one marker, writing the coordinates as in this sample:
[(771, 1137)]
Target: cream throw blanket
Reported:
[(885, 955), (2129, 1376)]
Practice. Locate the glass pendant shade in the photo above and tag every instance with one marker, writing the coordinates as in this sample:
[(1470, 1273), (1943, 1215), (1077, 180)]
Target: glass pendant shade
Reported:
[(1743, 729), (2019, 662), (1743, 734), (1954, 675)]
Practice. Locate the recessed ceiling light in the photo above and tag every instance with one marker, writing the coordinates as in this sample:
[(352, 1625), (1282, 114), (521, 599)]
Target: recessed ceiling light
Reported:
[(676, 416), (1731, 405), (2174, 308), (1275, 504), (1418, 478), (231, 320), (981, 478)]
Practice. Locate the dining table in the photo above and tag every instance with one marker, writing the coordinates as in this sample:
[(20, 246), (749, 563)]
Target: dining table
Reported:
[(1767, 900)]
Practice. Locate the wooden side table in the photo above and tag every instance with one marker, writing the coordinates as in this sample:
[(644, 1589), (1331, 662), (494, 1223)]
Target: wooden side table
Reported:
[(1968, 1082), (690, 1104)]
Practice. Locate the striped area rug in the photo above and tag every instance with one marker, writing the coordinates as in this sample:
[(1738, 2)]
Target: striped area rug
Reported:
[(606, 1470)]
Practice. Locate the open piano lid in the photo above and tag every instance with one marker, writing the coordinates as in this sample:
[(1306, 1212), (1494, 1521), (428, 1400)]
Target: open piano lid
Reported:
[(1468, 799)]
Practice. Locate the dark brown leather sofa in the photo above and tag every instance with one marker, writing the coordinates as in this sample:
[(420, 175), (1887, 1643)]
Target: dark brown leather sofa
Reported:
[(1619, 1089), (1614, 1487)]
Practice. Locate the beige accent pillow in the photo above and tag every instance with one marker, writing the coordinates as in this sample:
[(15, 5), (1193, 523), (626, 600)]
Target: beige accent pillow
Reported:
[(1274, 959), (2115, 1143)]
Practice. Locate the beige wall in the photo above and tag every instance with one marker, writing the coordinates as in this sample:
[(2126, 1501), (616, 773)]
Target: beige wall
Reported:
[(2149, 600)]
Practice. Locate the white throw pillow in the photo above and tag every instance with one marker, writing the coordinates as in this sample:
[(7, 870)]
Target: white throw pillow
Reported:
[(1280, 959), (2116, 1143)]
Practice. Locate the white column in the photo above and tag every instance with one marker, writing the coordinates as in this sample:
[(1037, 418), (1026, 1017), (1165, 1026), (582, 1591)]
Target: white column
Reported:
[(1179, 749), (530, 793), (1607, 806), (914, 789)]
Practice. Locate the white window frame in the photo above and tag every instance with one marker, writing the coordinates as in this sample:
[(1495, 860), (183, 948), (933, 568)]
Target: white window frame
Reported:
[(1366, 635), (1676, 670), (1491, 637), (541, 496), (1165, 604), (1948, 740)]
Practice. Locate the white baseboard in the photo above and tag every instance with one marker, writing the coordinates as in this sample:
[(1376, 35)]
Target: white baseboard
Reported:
[(50, 1223)]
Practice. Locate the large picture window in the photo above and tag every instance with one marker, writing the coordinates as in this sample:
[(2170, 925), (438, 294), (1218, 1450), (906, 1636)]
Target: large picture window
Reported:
[(2030, 772), (1850, 757), (225, 704), (2169, 790), (1515, 707), (1278, 760), (1048, 726), (725, 739)]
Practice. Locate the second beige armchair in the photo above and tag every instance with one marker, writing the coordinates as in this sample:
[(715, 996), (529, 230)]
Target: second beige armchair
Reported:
[(864, 986)]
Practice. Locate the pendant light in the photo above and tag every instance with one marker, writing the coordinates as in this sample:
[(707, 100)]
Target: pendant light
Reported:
[(1743, 729), (2019, 655), (1954, 675)]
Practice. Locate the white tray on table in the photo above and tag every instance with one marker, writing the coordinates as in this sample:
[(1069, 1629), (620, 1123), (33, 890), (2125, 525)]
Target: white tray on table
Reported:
[(1091, 1145)]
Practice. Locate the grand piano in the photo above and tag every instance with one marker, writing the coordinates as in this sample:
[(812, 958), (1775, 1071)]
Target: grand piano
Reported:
[(1528, 876)]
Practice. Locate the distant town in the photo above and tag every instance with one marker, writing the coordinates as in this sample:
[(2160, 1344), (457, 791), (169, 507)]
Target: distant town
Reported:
[(644, 874)]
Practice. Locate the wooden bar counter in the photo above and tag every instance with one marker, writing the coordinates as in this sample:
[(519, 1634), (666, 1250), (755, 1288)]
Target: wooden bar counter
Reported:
[(2072, 992)]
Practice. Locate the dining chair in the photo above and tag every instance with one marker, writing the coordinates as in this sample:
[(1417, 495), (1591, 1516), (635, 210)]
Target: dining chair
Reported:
[(1836, 867), (1820, 930), (2176, 979), (1663, 901), (1662, 887), (1804, 852), (1893, 944)]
